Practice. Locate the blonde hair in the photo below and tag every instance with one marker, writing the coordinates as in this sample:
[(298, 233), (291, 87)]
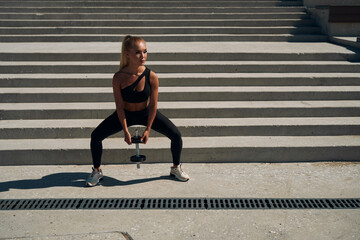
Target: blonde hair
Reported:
[(127, 43)]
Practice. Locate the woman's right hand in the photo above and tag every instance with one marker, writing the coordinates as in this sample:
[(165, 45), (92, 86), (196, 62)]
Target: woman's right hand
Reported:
[(127, 137)]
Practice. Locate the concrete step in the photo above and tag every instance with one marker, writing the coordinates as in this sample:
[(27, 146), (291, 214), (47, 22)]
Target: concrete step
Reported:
[(195, 149), (202, 109), (186, 79), (197, 127), (234, 93), (349, 42), (178, 51), (157, 30), (166, 38), (149, 16), (139, 1), (156, 23), (158, 10), (177, 48), (185, 67), (183, 56), (152, 4)]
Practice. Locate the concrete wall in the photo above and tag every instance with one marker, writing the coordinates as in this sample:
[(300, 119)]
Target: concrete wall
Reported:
[(319, 10), (313, 3)]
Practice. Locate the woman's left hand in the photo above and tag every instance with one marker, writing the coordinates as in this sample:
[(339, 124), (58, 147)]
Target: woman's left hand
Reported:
[(145, 136)]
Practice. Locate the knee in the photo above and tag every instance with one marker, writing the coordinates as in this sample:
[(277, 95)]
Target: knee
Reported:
[(95, 137), (177, 137)]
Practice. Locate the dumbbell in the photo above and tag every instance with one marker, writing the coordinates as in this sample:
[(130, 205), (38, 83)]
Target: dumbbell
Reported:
[(137, 158)]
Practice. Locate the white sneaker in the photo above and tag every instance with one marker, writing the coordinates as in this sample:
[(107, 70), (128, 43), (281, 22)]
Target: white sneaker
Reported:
[(179, 174), (94, 178)]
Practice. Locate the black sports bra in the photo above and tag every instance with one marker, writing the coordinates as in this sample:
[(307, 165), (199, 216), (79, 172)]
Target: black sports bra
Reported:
[(129, 93)]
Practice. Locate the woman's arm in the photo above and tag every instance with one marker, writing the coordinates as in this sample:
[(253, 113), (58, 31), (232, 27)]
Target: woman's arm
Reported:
[(119, 102), (154, 84)]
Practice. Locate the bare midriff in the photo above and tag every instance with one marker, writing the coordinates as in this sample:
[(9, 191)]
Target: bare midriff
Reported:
[(135, 107)]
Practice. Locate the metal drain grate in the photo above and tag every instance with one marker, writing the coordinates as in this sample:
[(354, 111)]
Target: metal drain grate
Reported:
[(179, 203)]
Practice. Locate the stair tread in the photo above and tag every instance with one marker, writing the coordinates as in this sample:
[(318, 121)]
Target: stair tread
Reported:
[(189, 142), (65, 76), (168, 34), (175, 47), (185, 63), (189, 122), (187, 105), (192, 89), (155, 20)]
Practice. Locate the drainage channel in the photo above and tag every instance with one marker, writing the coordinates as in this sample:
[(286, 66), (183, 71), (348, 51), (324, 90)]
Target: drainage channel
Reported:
[(178, 203)]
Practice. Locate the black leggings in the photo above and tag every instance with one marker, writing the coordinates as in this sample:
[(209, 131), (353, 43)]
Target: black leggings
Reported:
[(112, 125)]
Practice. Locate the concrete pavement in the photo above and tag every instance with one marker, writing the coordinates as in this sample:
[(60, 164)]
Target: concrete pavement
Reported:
[(240, 180)]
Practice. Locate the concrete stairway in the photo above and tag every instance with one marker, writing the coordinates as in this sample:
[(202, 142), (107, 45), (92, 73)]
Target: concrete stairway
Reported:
[(73, 21), (245, 81)]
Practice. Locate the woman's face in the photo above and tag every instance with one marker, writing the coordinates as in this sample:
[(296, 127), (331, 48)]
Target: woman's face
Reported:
[(137, 54)]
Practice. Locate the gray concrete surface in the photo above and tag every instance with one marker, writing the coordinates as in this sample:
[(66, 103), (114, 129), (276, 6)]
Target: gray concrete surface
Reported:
[(235, 93), (245, 180), (195, 127), (218, 109), (313, 3), (249, 102), (184, 66), (195, 150), (320, 11), (157, 4), (96, 26), (346, 41), (177, 47), (185, 79)]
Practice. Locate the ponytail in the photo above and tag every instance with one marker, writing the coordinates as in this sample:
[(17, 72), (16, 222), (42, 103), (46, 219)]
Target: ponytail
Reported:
[(127, 43)]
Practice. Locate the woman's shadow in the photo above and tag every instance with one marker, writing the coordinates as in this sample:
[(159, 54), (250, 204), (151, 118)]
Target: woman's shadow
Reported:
[(73, 179)]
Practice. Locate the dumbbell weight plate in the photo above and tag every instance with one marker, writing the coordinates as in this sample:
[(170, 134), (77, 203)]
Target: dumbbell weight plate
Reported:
[(140, 158)]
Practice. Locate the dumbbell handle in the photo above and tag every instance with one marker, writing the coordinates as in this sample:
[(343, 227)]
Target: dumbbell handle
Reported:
[(137, 140), (137, 150)]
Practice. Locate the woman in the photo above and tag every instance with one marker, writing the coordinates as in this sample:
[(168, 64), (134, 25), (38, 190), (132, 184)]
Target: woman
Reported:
[(135, 90)]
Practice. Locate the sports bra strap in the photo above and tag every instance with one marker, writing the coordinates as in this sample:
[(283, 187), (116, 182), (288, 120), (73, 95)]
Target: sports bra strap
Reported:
[(139, 79), (130, 95)]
